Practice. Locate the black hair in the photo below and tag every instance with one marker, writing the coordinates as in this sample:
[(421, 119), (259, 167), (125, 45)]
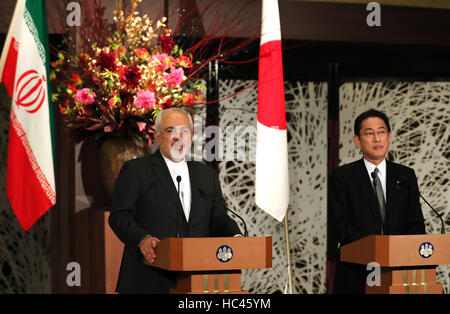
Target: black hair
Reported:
[(372, 113)]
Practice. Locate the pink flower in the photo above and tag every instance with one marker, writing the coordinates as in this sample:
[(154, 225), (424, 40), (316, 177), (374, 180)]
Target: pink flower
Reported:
[(160, 56), (161, 59), (85, 95), (141, 126), (175, 77), (145, 99)]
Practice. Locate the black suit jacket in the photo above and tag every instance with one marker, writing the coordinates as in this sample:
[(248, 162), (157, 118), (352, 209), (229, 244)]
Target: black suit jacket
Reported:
[(145, 202), (355, 214)]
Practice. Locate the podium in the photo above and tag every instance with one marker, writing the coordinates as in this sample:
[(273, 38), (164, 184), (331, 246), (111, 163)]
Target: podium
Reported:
[(212, 265), (408, 262)]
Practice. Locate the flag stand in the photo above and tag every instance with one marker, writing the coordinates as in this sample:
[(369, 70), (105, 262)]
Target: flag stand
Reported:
[(288, 254)]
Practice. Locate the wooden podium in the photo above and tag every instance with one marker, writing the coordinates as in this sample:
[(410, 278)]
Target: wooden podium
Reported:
[(408, 262), (212, 265)]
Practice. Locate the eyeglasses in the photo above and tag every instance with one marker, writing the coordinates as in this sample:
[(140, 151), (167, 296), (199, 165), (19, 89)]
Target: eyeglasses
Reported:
[(177, 131), (371, 134)]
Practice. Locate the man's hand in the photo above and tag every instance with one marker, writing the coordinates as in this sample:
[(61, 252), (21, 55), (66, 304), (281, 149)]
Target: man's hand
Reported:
[(147, 246)]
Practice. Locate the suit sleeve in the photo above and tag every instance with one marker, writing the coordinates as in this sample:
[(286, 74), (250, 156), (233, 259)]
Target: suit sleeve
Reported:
[(339, 205), (415, 220), (124, 199), (221, 224)]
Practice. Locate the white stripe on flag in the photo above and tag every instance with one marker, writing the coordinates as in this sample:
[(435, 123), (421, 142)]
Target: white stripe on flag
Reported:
[(272, 176), (272, 183), (270, 26)]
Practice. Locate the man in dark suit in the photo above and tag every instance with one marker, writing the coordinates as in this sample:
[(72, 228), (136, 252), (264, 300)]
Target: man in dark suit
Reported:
[(160, 196), (371, 196)]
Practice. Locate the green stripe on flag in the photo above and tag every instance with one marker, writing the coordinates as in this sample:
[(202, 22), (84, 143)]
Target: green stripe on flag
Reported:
[(35, 16)]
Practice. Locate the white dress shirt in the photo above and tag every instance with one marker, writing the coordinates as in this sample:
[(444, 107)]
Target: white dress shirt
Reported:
[(381, 174), (181, 169)]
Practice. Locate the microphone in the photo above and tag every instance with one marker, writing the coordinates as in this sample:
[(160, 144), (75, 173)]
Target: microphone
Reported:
[(402, 181), (178, 212), (178, 180), (210, 197)]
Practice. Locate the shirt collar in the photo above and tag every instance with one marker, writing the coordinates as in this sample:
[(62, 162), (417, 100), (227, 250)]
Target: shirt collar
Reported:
[(371, 167), (174, 164), (175, 167)]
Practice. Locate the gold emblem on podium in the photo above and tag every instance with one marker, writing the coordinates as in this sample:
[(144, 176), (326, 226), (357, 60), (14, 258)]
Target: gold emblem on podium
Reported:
[(426, 249), (224, 253)]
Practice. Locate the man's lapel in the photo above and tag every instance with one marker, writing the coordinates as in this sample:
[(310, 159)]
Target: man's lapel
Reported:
[(391, 190)]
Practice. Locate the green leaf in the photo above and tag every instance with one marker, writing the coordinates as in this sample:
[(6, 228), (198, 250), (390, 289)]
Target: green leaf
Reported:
[(115, 46), (200, 86), (155, 113)]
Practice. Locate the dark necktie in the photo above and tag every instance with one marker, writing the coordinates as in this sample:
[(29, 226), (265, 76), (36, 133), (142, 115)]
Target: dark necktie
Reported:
[(379, 193)]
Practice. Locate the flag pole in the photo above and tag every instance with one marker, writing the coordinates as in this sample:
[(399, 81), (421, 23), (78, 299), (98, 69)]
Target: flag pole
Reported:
[(288, 253)]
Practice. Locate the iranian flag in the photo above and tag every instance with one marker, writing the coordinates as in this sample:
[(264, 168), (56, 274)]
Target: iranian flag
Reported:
[(30, 181), (272, 177)]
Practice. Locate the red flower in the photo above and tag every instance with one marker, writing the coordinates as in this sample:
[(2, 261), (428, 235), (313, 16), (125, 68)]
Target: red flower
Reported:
[(192, 99), (142, 53), (120, 52), (188, 99), (71, 87), (131, 77), (166, 42), (185, 62), (167, 104), (75, 79), (62, 109), (107, 60)]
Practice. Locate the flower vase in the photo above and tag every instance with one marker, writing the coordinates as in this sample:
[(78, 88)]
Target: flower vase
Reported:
[(114, 152)]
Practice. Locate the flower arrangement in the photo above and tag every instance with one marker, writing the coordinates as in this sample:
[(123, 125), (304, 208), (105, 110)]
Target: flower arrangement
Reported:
[(119, 86)]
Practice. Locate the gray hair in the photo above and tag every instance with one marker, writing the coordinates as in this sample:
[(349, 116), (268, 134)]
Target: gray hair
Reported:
[(166, 111)]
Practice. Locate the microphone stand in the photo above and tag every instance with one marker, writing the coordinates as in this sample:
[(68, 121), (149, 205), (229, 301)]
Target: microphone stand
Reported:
[(437, 214), (226, 208), (402, 181)]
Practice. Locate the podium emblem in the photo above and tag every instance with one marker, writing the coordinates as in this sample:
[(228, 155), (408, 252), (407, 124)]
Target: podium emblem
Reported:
[(426, 249), (224, 253)]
